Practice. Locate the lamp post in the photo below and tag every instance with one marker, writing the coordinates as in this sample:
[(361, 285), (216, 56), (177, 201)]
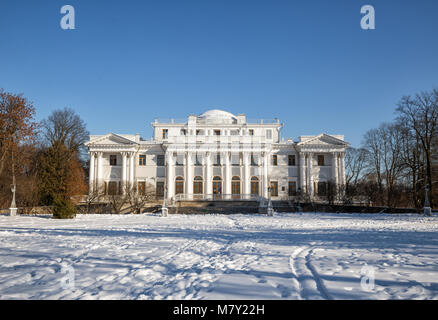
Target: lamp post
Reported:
[(299, 209), (270, 209), (164, 210), (427, 209), (13, 207)]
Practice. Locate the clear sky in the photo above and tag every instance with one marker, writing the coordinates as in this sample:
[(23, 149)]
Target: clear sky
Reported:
[(308, 63)]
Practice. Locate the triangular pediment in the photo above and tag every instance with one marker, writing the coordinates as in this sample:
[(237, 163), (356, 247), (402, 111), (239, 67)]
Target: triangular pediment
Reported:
[(110, 139), (323, 139)]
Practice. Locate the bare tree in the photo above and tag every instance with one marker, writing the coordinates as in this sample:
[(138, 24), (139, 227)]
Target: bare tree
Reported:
[(138, 199), (66, 127), (420, 113), (383, 146)]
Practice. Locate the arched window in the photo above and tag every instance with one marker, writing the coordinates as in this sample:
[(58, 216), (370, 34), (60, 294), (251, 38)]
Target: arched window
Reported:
[(197, 185), (255, 185), (179, 185)]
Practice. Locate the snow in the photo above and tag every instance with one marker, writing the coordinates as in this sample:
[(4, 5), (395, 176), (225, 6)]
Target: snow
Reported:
[(288, 256)]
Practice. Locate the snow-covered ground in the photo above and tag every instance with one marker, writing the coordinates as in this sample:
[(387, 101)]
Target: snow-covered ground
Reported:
[(288, 256)]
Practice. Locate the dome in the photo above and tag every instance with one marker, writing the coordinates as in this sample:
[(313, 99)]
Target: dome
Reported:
[(217, 116)]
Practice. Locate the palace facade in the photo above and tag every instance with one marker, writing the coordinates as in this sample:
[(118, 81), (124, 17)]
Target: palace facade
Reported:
[(217, 155)]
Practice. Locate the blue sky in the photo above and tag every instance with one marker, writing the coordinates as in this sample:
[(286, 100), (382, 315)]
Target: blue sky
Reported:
[(306, 62)]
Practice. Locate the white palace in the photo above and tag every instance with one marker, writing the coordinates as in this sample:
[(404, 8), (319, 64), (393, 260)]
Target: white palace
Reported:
[(216, 155)]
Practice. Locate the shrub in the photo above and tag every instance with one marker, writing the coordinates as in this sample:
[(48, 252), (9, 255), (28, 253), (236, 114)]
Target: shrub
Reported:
[(63, 208)]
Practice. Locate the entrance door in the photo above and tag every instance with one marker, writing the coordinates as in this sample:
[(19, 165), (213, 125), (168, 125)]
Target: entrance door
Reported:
[(217, 185), (235, 187), (254, 186)]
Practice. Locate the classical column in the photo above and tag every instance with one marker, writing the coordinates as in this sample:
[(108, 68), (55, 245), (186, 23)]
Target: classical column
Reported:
[(131, 170), (170, 182), (189, 174), (303, 184), (91, 173), (228, 190), (265, 174), (124, 171), (99, 171), (342, 171), (246, 174), (335, 168), (310, 173), (208, 179)]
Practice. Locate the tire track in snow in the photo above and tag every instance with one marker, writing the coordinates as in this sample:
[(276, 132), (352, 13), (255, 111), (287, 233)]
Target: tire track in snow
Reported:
[(306, 279)]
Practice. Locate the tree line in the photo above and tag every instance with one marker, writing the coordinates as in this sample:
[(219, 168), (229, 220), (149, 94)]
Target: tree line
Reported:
[(397, 163), (44, 159)]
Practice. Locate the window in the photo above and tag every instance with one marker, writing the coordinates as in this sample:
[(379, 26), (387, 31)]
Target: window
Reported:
[(197, 185), (251, 132), (165, 133), (217, 161), (198, 161), (142, 160), (291, 160), (199, 132), (253, 160), (113, 160), (235, 159), (160, 189), (292, 188), (274, 188), (160, 160), (183, 132), (274, 160), (269, 134), (217, 132), (217, 185), (179, 160), (320, 160), (141, 188), (234, 132)]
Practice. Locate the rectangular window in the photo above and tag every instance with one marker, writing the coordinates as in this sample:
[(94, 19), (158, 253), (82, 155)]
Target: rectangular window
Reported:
[(165, 133), (251, 132), (291, 160), (113, 160), (292, 188), (235, 159), (320, 160), (274, 160), (160, 160), (198, 160), (274, 188), (269, 134), (160, 189), (179, 160), (217, 161), (142, 160), (183, 132), (234, 132), (217, 132), (254, 159), (141, 188)]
